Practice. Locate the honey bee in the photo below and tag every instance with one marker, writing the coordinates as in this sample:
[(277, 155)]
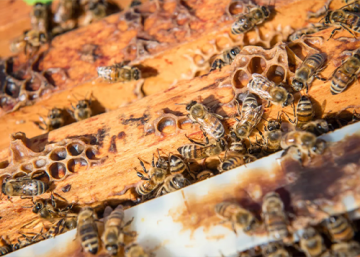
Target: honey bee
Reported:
[(209, 122), (305, 142), (268, 91), (177, 164), (275, 250), (312, 28), (274, 216), (272, 136), (5, 246), (155, 176), (307, 71), (312, 243), (136, 250), (54, 120), (39, 17), (247, 21), (119, 72), (237, 145), (251, 114), (114, 230), (30, 41), (236, 215), (205, 174), (201, 151), (317, 127), (88, 231), (95, 10), (344, 75), (348, 249), (343, 18), (82, 110), (172, 183), (230, 163), (339, 228), (226, 58), (64, 224), (23, 186)]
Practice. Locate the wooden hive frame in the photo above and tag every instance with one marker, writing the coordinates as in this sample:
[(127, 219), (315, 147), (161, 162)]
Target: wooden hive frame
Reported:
[(121, 131)]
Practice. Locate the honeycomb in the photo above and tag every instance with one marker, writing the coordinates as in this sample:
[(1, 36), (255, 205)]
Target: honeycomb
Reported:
[(24, 87), (202, 57), (278, 64), (56, 161)]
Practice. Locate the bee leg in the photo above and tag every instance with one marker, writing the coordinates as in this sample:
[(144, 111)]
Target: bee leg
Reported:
[(142, 165), (128, 223), (333, 32), (345, 27), (43, 122), (233, 227), (320, 78)]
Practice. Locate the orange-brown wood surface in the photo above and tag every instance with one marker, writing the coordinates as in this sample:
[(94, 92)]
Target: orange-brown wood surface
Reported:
[(123, 129)]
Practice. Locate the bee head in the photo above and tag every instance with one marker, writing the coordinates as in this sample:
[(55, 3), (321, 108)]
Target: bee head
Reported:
[(319, 146), (289, 100), (54, 113), (191, 104), (297, 84), (234, 51), (38, 206), (197, 110), (323, 126), (265, 11), (112, 249), (136, 73), (82, 104), (273, 125), (93, 250)]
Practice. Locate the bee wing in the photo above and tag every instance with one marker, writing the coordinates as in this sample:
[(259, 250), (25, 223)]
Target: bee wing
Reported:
[(287, 127), (107, 212), (259, 111)]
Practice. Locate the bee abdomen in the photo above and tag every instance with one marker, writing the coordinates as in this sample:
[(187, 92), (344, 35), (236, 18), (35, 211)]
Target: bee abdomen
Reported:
[(191, 152), (4, 250), (231, 163), (276, 226), (316, 60), (89, 238), (145, 188)]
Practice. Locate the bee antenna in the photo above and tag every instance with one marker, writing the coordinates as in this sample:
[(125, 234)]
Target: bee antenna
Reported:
[(181, 104), (75, 97)]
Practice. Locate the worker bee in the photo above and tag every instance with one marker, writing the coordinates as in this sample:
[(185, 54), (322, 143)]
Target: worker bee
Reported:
[(119, 72), (312, 28), (39, 17), (237, 145), (312, 243), (205, 174), (88, 231), (230, 163), (305, 142), (82, 110), (226, 58), (343, 18), (114, 229), (344, 75), (172, 183), (339, 228), (275, 250), (247, 21), (209, 122), (272, 136), (5, 246), (236, 215), (199, 150), (54, 120), (155, 176), (268, 91), (63, 225), (30, 41), (136, 250), (251, 114), (347, 249), (177, 164), (95, 10), (23, 186), (274, 216), (317, 127), (307, 71)]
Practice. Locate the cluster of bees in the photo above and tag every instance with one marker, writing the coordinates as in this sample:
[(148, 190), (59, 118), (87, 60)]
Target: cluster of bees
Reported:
[(338, 229), (60, 214), (172, 172), (45, 24)]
